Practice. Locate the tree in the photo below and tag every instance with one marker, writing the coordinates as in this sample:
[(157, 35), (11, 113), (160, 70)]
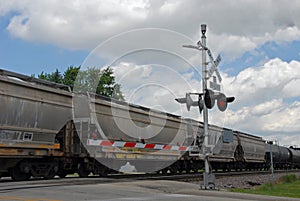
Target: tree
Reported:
[(53, 77), (70, 76), (101, 82), (107, 84)]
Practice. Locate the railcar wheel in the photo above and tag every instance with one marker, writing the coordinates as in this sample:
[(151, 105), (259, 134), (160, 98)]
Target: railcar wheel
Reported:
[(190, 167), (62, 174), (229, 167), (173, 170), (18, 175), (195, 170), (51, 174), (82, 171), (53, 170), (104, 172), (164, 171), (195, 167)]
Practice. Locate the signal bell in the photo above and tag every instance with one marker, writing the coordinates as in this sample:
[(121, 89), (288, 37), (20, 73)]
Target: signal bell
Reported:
[(190, 102)]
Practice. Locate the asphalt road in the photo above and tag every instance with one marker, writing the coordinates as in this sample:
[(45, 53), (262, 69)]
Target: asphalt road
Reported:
[(124, 191)]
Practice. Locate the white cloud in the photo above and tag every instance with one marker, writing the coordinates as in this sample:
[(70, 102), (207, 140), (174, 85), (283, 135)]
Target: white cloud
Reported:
[(84, 24), (272, 80), (73, 24), (169, 7), (266, 107), (291, 89), (232, 46), (284, 119), (287, 34)]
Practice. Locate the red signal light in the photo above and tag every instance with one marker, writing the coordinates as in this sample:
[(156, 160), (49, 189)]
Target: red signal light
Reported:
[(222, 102)]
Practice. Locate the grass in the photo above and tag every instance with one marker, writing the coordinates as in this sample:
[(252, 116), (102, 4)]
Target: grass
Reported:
[(286, 186)]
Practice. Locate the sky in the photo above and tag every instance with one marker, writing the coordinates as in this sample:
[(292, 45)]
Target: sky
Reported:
[(259, 43)]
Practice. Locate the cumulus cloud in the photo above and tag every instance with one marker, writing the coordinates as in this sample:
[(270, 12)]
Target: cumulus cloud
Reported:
[(291, 89), (73, 24), (275, 78), (84, 24), (267, 100)]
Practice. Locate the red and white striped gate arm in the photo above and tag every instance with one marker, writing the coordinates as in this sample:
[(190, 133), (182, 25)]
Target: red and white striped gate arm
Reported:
[(108, 143)]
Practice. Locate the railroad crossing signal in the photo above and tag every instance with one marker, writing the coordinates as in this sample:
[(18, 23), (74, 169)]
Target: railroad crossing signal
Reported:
[(210, 98), (214, 65)]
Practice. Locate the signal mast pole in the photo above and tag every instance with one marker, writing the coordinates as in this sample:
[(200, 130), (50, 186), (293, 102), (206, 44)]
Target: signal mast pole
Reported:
[(208, 177), (205, 111)]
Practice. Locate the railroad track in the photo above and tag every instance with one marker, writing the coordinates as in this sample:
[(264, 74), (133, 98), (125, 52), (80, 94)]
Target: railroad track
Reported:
[(199, 177), (9, 185)]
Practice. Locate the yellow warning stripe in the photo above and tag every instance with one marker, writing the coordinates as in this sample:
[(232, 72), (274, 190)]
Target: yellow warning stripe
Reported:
[(31, 145)]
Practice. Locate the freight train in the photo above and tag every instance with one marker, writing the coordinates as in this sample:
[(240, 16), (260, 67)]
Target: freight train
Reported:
[(47, 130)]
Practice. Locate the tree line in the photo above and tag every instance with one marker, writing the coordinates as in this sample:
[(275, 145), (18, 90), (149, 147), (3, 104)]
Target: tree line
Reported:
[(101, 82)]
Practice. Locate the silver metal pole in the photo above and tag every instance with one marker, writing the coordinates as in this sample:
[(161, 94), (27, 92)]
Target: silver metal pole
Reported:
[(205, 111)]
